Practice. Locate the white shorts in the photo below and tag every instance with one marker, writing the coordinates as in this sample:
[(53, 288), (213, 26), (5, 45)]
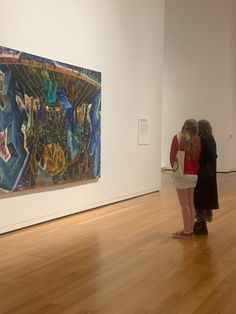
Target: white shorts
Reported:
[(187, 181)]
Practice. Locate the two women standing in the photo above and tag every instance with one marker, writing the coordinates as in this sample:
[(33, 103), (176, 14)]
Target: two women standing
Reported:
[(199, 173)]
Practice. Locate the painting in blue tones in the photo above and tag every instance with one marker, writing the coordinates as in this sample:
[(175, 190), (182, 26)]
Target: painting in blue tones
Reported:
[(50, 127)]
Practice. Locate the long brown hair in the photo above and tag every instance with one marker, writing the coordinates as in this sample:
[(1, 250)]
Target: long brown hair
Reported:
[(187, 137)]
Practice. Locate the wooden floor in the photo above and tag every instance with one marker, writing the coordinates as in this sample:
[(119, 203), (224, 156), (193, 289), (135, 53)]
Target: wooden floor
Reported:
[(121, 259)]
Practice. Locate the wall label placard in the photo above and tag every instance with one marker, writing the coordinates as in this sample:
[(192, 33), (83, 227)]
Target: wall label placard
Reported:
[(143, 129)]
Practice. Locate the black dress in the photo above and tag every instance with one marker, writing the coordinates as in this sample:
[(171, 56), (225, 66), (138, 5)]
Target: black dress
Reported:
[(205, 193)]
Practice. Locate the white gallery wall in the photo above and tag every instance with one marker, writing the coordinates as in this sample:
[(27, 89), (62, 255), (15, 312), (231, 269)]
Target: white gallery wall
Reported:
[(200, 72), (122, 39)]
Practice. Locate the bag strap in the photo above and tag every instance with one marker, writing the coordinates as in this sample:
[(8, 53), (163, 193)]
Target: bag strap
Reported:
[(178, 139)]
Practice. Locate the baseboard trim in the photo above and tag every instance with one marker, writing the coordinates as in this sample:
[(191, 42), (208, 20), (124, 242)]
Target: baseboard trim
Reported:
[(223, 172)]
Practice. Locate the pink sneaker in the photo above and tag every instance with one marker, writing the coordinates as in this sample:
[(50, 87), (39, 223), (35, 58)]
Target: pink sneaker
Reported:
[(183, 235)]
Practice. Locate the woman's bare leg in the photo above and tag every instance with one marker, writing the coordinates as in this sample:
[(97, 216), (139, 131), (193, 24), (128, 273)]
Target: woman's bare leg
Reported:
[(186, 211)]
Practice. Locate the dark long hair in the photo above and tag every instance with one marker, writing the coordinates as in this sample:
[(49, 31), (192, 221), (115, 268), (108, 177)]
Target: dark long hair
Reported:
[(205, 128)]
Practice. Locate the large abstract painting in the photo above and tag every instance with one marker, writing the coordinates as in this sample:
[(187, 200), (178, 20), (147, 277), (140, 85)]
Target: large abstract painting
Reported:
[(49, 122)]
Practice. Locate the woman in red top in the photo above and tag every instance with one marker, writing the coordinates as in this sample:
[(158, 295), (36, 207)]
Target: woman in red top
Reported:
[(188, 141)]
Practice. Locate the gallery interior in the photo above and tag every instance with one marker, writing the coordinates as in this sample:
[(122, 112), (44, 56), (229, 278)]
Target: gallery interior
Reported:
[(104, 245)]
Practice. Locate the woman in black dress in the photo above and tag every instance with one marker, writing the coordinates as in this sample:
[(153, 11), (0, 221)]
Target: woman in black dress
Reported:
[(206, 194)]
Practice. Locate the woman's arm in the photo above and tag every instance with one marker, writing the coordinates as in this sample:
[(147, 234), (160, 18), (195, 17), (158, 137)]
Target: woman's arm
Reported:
[(173, 150)]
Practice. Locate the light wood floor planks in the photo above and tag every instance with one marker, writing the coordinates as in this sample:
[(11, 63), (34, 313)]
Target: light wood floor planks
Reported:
[(121, 259)]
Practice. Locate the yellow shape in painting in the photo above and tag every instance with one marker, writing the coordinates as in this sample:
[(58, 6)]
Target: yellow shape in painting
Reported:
[(54, 158)]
